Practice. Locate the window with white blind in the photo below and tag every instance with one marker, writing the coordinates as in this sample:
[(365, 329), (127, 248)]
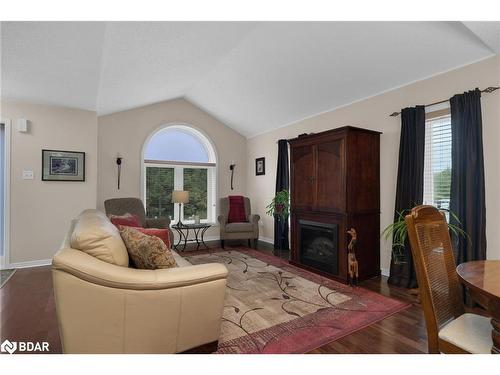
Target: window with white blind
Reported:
[(437, 162), (180, 158)]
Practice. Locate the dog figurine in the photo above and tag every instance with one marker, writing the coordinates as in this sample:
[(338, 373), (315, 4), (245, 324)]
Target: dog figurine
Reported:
[(351, 258)]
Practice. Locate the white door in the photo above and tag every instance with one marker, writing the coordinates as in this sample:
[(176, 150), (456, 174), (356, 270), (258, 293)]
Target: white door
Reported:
[(4, 192)]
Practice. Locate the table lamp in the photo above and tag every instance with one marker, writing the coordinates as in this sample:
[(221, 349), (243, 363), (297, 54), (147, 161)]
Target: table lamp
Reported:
[(180, 197)]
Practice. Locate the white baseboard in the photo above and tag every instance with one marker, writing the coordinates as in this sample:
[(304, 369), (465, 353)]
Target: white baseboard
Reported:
[(32, 263), (211, 238), (268, 240), (217, 238)]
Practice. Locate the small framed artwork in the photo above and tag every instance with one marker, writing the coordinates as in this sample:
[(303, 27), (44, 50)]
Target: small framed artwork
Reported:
[(260, 166), (63, 165)]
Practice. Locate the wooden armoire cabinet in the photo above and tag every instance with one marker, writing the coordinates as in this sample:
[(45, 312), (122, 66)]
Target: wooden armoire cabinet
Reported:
[(335, 186)]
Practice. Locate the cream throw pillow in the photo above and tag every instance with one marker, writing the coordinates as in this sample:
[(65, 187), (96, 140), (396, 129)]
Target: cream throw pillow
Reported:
[(95, 235)]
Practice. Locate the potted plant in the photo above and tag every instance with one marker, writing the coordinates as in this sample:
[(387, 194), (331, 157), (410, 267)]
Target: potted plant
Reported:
[(280, 209), (399, 232)]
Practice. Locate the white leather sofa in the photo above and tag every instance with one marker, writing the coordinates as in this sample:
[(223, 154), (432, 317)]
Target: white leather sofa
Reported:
[(104, 306)]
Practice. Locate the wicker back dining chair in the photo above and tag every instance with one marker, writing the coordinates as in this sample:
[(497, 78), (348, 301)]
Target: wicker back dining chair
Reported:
[(449, 328)]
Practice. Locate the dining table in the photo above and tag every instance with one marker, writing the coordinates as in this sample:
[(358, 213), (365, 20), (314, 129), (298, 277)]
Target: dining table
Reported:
[(482, 280)]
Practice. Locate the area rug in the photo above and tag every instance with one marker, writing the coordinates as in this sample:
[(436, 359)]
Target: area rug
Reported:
[(5, 275), (274, 307)]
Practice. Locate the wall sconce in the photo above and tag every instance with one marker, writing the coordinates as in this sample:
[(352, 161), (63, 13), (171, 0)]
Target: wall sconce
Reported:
[(119, 166), (231, 168)]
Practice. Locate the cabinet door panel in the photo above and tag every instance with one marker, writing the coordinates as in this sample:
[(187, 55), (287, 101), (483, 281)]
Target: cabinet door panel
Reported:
[(363, 178), (303, 177), (330, 176)]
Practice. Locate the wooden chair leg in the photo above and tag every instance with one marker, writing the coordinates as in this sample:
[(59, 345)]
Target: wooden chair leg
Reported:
[(222, 243), (249, 243)]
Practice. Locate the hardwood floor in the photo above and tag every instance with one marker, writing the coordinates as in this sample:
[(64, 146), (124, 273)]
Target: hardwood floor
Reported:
[(28, 314), (28, 309), (401, 333)]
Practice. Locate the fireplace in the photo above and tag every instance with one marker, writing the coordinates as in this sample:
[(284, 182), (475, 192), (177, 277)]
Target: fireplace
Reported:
[(319, 246)]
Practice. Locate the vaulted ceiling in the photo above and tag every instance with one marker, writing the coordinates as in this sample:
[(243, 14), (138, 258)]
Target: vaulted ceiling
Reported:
[(253, 76)]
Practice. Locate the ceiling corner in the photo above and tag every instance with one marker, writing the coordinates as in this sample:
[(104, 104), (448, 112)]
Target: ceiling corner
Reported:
[(486, 32)]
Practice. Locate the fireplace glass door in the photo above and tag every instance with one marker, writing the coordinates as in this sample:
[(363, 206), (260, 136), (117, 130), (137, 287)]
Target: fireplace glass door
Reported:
[(319, 246)]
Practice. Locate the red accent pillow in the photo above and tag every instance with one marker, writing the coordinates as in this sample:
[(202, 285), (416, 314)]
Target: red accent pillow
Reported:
[(127, 220), (161, 233), (236, 209)]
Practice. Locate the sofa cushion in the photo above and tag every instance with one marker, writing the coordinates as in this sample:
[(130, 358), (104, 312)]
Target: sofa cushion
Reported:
[(95, 235), (146, 252), (181, 261), (239, 227), (470, 332)]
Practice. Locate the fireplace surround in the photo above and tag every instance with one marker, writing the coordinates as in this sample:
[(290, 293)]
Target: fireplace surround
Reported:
[(319, 245)]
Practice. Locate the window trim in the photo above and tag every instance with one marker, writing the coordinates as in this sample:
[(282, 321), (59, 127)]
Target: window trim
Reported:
[(5, 258), (211, 150), (170, 162), (435, 115), (179, 185)]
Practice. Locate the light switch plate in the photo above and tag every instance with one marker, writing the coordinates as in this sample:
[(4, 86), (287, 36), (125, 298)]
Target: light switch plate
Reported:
[(28, 175)]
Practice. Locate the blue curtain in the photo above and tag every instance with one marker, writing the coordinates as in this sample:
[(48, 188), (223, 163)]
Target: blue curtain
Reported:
[(282, 183), (410, 187), (467, 196)]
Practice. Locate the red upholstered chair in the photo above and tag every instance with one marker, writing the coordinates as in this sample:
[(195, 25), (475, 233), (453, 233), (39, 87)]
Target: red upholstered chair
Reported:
[(247, 230)]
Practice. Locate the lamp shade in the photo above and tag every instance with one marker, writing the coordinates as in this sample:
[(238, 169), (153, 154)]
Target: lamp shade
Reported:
[(180, 196)]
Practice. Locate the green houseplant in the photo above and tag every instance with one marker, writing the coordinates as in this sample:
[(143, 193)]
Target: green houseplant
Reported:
[(280, 209), (399, 232), (280, 205)]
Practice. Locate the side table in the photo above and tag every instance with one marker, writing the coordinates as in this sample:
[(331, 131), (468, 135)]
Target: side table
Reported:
[(183, 230)]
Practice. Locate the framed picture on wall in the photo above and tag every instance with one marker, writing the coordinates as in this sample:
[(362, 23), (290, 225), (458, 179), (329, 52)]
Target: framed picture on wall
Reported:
[(60, 165), (260, 166)]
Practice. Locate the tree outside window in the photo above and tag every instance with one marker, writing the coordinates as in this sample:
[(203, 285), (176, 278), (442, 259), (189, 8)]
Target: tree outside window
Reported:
[(180, 158)]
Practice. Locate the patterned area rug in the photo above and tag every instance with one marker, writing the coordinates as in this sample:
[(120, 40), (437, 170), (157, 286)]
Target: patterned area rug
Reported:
[(274, 307), (5, 275)]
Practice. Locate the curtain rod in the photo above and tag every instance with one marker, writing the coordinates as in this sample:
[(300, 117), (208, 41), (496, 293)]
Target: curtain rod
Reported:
[(487, 90)]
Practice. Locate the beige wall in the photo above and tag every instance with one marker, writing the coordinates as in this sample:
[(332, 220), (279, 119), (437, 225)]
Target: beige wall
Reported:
[(125, 133), (373, 113), (40, 210)]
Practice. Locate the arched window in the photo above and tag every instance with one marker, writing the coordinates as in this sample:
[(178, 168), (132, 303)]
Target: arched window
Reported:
[(179, 157)]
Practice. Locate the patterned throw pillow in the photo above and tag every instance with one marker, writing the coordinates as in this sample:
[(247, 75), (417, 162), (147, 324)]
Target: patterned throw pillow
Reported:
[(163, 234), (146, 252)]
